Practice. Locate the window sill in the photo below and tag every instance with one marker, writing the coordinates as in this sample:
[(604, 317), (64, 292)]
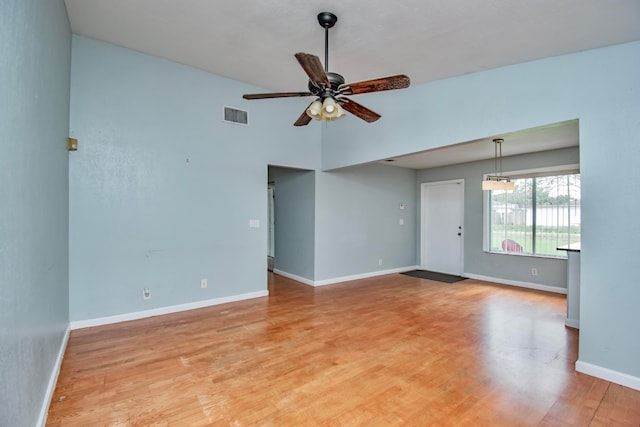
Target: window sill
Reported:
[(560, 257)]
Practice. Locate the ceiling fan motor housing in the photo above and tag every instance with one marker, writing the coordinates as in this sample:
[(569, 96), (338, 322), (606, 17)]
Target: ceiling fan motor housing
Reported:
[(336, 81)]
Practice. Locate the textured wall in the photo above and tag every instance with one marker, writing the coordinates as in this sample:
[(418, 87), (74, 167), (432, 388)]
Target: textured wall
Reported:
[(357, 220), (161, 190), (35, 50)]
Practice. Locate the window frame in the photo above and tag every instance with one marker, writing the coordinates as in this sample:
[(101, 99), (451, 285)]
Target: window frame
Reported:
[(573, 168)]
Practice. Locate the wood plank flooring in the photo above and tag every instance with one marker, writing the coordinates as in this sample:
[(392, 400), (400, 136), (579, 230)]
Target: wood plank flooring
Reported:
[(387, 351)]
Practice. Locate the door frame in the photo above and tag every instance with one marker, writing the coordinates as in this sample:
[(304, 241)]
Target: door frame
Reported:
[(271, 224), (423, 220)]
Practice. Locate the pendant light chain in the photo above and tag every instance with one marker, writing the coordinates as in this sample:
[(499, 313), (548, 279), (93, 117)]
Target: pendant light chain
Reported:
[(497, 181), (500, 145), (495, 156)]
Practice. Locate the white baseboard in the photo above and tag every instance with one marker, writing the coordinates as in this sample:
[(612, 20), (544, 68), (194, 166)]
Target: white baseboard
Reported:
[(528, 285), (53, 380), (294, 277), (79, 324), (364, 275), (608, 374), (344, 278), (572, 323)]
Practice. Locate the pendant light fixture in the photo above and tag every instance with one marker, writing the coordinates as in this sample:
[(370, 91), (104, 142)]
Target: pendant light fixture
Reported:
[(497, 181)]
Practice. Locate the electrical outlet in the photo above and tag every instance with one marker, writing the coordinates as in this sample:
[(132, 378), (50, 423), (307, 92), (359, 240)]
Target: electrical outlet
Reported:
[(380, 261), (534, 271), (146, 293), (203, 283)]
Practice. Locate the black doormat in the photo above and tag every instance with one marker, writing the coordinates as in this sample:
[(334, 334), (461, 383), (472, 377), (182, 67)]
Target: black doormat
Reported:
[(432, 275)]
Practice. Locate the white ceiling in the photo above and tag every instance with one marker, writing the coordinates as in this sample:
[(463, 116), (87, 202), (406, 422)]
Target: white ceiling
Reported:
[(253, 41)]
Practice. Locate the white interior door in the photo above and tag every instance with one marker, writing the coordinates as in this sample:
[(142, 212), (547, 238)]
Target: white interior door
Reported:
[(442, 218)]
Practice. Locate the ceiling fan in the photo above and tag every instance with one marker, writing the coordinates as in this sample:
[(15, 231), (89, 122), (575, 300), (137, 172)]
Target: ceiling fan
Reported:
[(330, 88)]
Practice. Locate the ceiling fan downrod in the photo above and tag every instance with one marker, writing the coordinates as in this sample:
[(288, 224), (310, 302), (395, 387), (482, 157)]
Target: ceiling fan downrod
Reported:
[(326, 20)]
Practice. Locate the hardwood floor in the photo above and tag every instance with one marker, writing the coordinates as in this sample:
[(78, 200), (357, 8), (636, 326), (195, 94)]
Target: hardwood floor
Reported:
[(387, 351)]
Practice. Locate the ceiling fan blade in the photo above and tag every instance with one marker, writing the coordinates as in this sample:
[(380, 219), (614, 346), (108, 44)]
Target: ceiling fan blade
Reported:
[(313, 67), (376, 85), (359, 110), (275, 95), (303, 120)]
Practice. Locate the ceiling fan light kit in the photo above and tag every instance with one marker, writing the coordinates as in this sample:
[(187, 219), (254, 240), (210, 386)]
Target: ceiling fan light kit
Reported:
[(497, 181), (329, 88)]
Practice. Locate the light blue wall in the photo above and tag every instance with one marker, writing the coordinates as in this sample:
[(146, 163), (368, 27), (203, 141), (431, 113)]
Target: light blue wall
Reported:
[(35, 54), (294, 221), (551, 272), (599, 87), (142, 216), (161, 190), (357, 220)]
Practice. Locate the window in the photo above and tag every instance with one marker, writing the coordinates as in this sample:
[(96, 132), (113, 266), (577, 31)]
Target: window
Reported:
[(542, 213)]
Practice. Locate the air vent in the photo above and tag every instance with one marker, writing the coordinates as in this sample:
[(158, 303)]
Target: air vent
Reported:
[(236, 116)]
